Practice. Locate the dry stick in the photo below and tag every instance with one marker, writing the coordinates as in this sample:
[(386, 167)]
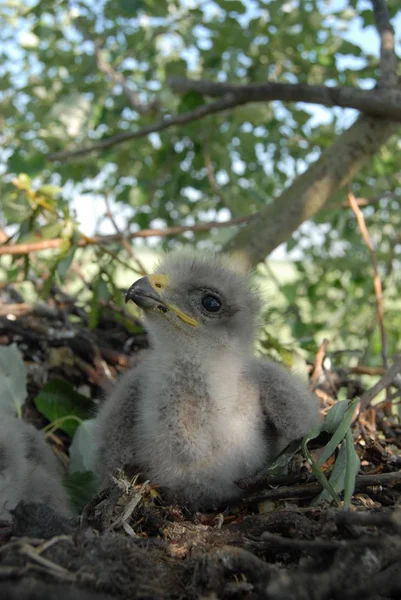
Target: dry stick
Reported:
[(118, 78), (376, 280), (312, 489), (105, 239), (210, 174), (318, 365), (124, 242), (382, 384), (365, 370)]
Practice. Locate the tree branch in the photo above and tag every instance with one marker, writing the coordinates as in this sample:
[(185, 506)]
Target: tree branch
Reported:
[(310, 191), (382, 384), (388, 59), (118, 78), (193, 115), (118, 237), (384, 102), (379, 102), (376, 280)]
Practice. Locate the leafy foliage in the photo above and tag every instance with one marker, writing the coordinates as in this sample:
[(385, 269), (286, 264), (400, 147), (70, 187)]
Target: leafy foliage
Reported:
[(62, 405), (346, 467), (77, 73)]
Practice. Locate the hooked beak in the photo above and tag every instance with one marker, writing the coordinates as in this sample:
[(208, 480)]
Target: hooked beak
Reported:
[(144, 294)]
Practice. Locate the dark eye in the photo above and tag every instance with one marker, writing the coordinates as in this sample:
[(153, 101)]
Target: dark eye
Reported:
[(211, 303)]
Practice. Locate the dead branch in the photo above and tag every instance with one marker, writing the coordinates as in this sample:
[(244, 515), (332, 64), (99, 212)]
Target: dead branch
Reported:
[(23, 309), (318, 365), (210, 174), (369, 519), (118, 78), (307, 490), (376, 278), (384, 383), (365, 370), (107, 239), (124, 242)]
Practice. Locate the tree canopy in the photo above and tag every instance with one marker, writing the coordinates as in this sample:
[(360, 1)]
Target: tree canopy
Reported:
[(181, 113)]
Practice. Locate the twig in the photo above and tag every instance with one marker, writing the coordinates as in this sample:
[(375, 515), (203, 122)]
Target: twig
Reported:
[(313, 488), (210, 174), (376, 280), (313, 546), (383, 383), (318, 365), (23, 309), (193, 115), (143, 233), (124, 242), (365, 370), (118, 79), (369, 519), (388, 59), (53, 567)]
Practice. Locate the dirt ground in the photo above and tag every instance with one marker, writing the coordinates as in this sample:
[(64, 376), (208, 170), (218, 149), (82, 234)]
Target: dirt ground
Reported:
[(129, 543)]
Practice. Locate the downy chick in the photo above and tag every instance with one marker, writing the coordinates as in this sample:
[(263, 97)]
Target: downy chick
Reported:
[(28, 469), (200, 411)]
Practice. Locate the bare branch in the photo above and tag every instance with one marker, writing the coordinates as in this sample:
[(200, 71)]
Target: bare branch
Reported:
[(382, 384), (376, 278), (106, 239), (318, 365), (140, 268), (383, 102), (376, 102), (193, 115), (210, 174), (388, 59), (118, 79)]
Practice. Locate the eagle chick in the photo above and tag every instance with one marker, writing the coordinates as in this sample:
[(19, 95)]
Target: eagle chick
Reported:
[(200, 411)]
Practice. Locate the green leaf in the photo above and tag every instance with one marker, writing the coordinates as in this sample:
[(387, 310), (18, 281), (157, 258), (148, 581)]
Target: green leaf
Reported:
[(344, 472), (280, 464), (340, 432), (100, 292), (47, 232), (336, 479), (81, 487), (82, 449), (235, 6), (335, 416), (13, 380), (316, 470), (58, 401), (132, 7), (190, 101), (50, 190), (353, 466)]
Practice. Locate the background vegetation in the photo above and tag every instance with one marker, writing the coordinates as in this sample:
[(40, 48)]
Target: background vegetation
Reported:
[(81, 74)]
